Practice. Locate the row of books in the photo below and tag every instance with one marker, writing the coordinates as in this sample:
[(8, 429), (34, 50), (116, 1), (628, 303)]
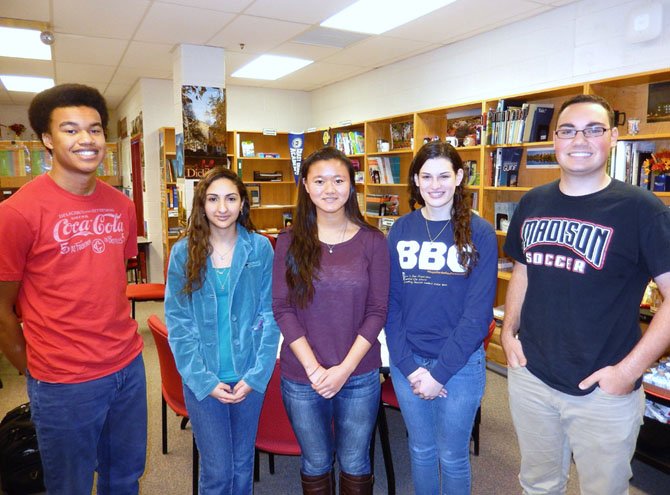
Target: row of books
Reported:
[(349, 143), (382, 204), (518, 122), (627, 159), (23, 161), (172, 197), (384, 169), (505, 169)]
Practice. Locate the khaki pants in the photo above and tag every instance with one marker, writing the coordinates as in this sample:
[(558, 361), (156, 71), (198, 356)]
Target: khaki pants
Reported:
[(599, 430)]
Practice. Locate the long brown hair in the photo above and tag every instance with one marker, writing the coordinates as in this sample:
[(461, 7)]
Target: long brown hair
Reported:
[(303, 258), (460, 209), (198, 229)]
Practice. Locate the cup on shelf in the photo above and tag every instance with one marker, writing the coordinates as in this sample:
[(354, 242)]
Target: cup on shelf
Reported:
[(619, 118), (452, 140), (633, 126)]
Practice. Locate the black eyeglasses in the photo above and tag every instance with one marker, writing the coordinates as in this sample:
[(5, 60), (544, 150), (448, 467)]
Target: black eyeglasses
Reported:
[(589, 132)]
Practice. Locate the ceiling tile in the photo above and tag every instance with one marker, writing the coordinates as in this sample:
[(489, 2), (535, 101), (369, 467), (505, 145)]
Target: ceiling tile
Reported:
[(310, 52), (67, 72), (376, 51), (169, 23), (257, 33), (114, 19), (87, 49), (318, 74), (149, 55), (234, 6), (26, 67), (309, 12), (35, 10)]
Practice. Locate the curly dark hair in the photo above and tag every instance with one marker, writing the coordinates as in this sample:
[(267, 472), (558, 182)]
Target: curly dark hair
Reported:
[(64, 95), (303, 258), (460, 210), (198, 226)]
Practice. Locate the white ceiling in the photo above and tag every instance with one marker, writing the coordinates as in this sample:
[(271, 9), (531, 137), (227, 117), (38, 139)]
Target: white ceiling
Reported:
[(109, 44)]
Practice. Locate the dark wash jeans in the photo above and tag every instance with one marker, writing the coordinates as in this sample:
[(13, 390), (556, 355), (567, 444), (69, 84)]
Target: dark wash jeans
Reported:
[(99, 425), (353, 414)]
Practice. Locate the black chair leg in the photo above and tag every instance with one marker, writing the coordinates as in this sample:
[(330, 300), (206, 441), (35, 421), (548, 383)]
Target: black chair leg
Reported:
[(257, 471), (184, 422), (196, 467), (475, 430), (164, 424), (271, 462), (382, 426), (132, 305)]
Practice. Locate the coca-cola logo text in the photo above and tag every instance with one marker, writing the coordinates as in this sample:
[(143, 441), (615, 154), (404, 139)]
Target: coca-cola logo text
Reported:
[(104, 223)]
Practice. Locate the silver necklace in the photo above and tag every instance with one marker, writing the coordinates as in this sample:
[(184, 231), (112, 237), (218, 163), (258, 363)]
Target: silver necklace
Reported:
[(330, 248), (218, 254), (222, 284), (433, 239)]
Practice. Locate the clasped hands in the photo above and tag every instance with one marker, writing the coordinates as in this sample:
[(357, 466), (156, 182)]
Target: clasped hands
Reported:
[(328, 381), (231, 395), (424, 385)]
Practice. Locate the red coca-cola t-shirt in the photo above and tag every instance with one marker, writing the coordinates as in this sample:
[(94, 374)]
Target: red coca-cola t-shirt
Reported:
[(69, 252)]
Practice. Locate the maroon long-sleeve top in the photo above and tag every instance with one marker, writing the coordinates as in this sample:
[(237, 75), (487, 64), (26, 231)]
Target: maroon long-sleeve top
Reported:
[(350, 299)]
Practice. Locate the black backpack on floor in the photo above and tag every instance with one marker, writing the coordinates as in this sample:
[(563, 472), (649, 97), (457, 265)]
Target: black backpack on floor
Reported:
[(20, 462)]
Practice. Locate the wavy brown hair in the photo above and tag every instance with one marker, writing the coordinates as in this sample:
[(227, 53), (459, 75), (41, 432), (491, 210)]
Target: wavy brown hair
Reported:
[(198, 229), (460, 209), (303, 258)]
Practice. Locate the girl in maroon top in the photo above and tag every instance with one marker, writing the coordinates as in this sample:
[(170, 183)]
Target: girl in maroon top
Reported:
[(330, 291)]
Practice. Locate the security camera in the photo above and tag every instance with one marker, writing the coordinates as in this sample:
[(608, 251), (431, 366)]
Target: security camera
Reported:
[(47, 37)]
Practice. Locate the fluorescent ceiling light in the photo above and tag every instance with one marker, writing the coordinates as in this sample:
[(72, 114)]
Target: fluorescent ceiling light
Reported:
[(378, 16), (23, 43), (271, 67), (26, 84)]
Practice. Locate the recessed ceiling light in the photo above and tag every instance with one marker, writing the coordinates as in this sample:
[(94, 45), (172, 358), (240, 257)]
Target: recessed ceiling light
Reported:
[(26, 84), (378, 16), (23, 43), (271, 67)]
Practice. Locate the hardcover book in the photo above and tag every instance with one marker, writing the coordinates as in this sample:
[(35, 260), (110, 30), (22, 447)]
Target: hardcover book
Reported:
[(508, 161)]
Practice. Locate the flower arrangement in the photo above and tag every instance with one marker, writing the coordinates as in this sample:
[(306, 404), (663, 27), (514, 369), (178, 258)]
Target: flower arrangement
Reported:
[(658, 163), (17, 129)]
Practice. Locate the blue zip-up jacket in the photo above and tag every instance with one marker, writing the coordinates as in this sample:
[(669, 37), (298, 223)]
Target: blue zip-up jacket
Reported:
[(192, 321)]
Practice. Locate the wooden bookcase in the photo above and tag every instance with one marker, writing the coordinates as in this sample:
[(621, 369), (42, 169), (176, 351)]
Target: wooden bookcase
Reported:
[(173, 215), (20, 161), (271, 199)]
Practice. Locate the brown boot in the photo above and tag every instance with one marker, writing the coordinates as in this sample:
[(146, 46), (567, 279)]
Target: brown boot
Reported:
[(318, 485), (356, 485)]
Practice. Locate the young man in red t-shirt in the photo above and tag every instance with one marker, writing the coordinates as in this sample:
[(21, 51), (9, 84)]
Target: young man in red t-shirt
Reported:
[(66, 238)]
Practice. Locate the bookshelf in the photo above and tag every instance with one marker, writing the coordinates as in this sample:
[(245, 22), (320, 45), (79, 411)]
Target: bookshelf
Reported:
[(388, 155), (263, 162), (20, 161), (173, 213)]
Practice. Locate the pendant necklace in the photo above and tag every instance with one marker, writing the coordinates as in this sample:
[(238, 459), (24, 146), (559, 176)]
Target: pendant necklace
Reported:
[(438, 234), (344, 231), (219, 255), (219, 272)]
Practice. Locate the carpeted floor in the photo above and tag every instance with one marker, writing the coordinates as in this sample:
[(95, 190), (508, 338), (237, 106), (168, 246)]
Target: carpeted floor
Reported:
[(494, 470)]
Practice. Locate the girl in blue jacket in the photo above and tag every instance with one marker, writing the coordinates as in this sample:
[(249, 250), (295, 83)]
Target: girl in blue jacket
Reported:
[(443, 280), (224, 338)]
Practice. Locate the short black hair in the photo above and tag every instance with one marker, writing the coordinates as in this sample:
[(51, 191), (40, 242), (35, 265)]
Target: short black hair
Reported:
[(64, 95), (598, 100)]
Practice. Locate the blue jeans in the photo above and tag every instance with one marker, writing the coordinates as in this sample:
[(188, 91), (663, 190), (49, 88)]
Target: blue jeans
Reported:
[(343, 424), (226, 436), (440, 429), (99, 425)]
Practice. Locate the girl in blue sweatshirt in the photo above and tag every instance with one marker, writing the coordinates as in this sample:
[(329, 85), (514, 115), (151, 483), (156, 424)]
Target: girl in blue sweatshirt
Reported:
[(443, 281)]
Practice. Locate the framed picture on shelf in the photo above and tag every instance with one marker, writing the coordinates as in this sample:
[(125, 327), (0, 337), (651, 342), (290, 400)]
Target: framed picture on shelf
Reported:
[(254, 191), (401, 135), (658, 102), (541, 158)]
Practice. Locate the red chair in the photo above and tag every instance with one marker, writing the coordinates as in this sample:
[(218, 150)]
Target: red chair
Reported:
[(275, 434), (146, 291), (272, 239), (389, 399), (172, 393)]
